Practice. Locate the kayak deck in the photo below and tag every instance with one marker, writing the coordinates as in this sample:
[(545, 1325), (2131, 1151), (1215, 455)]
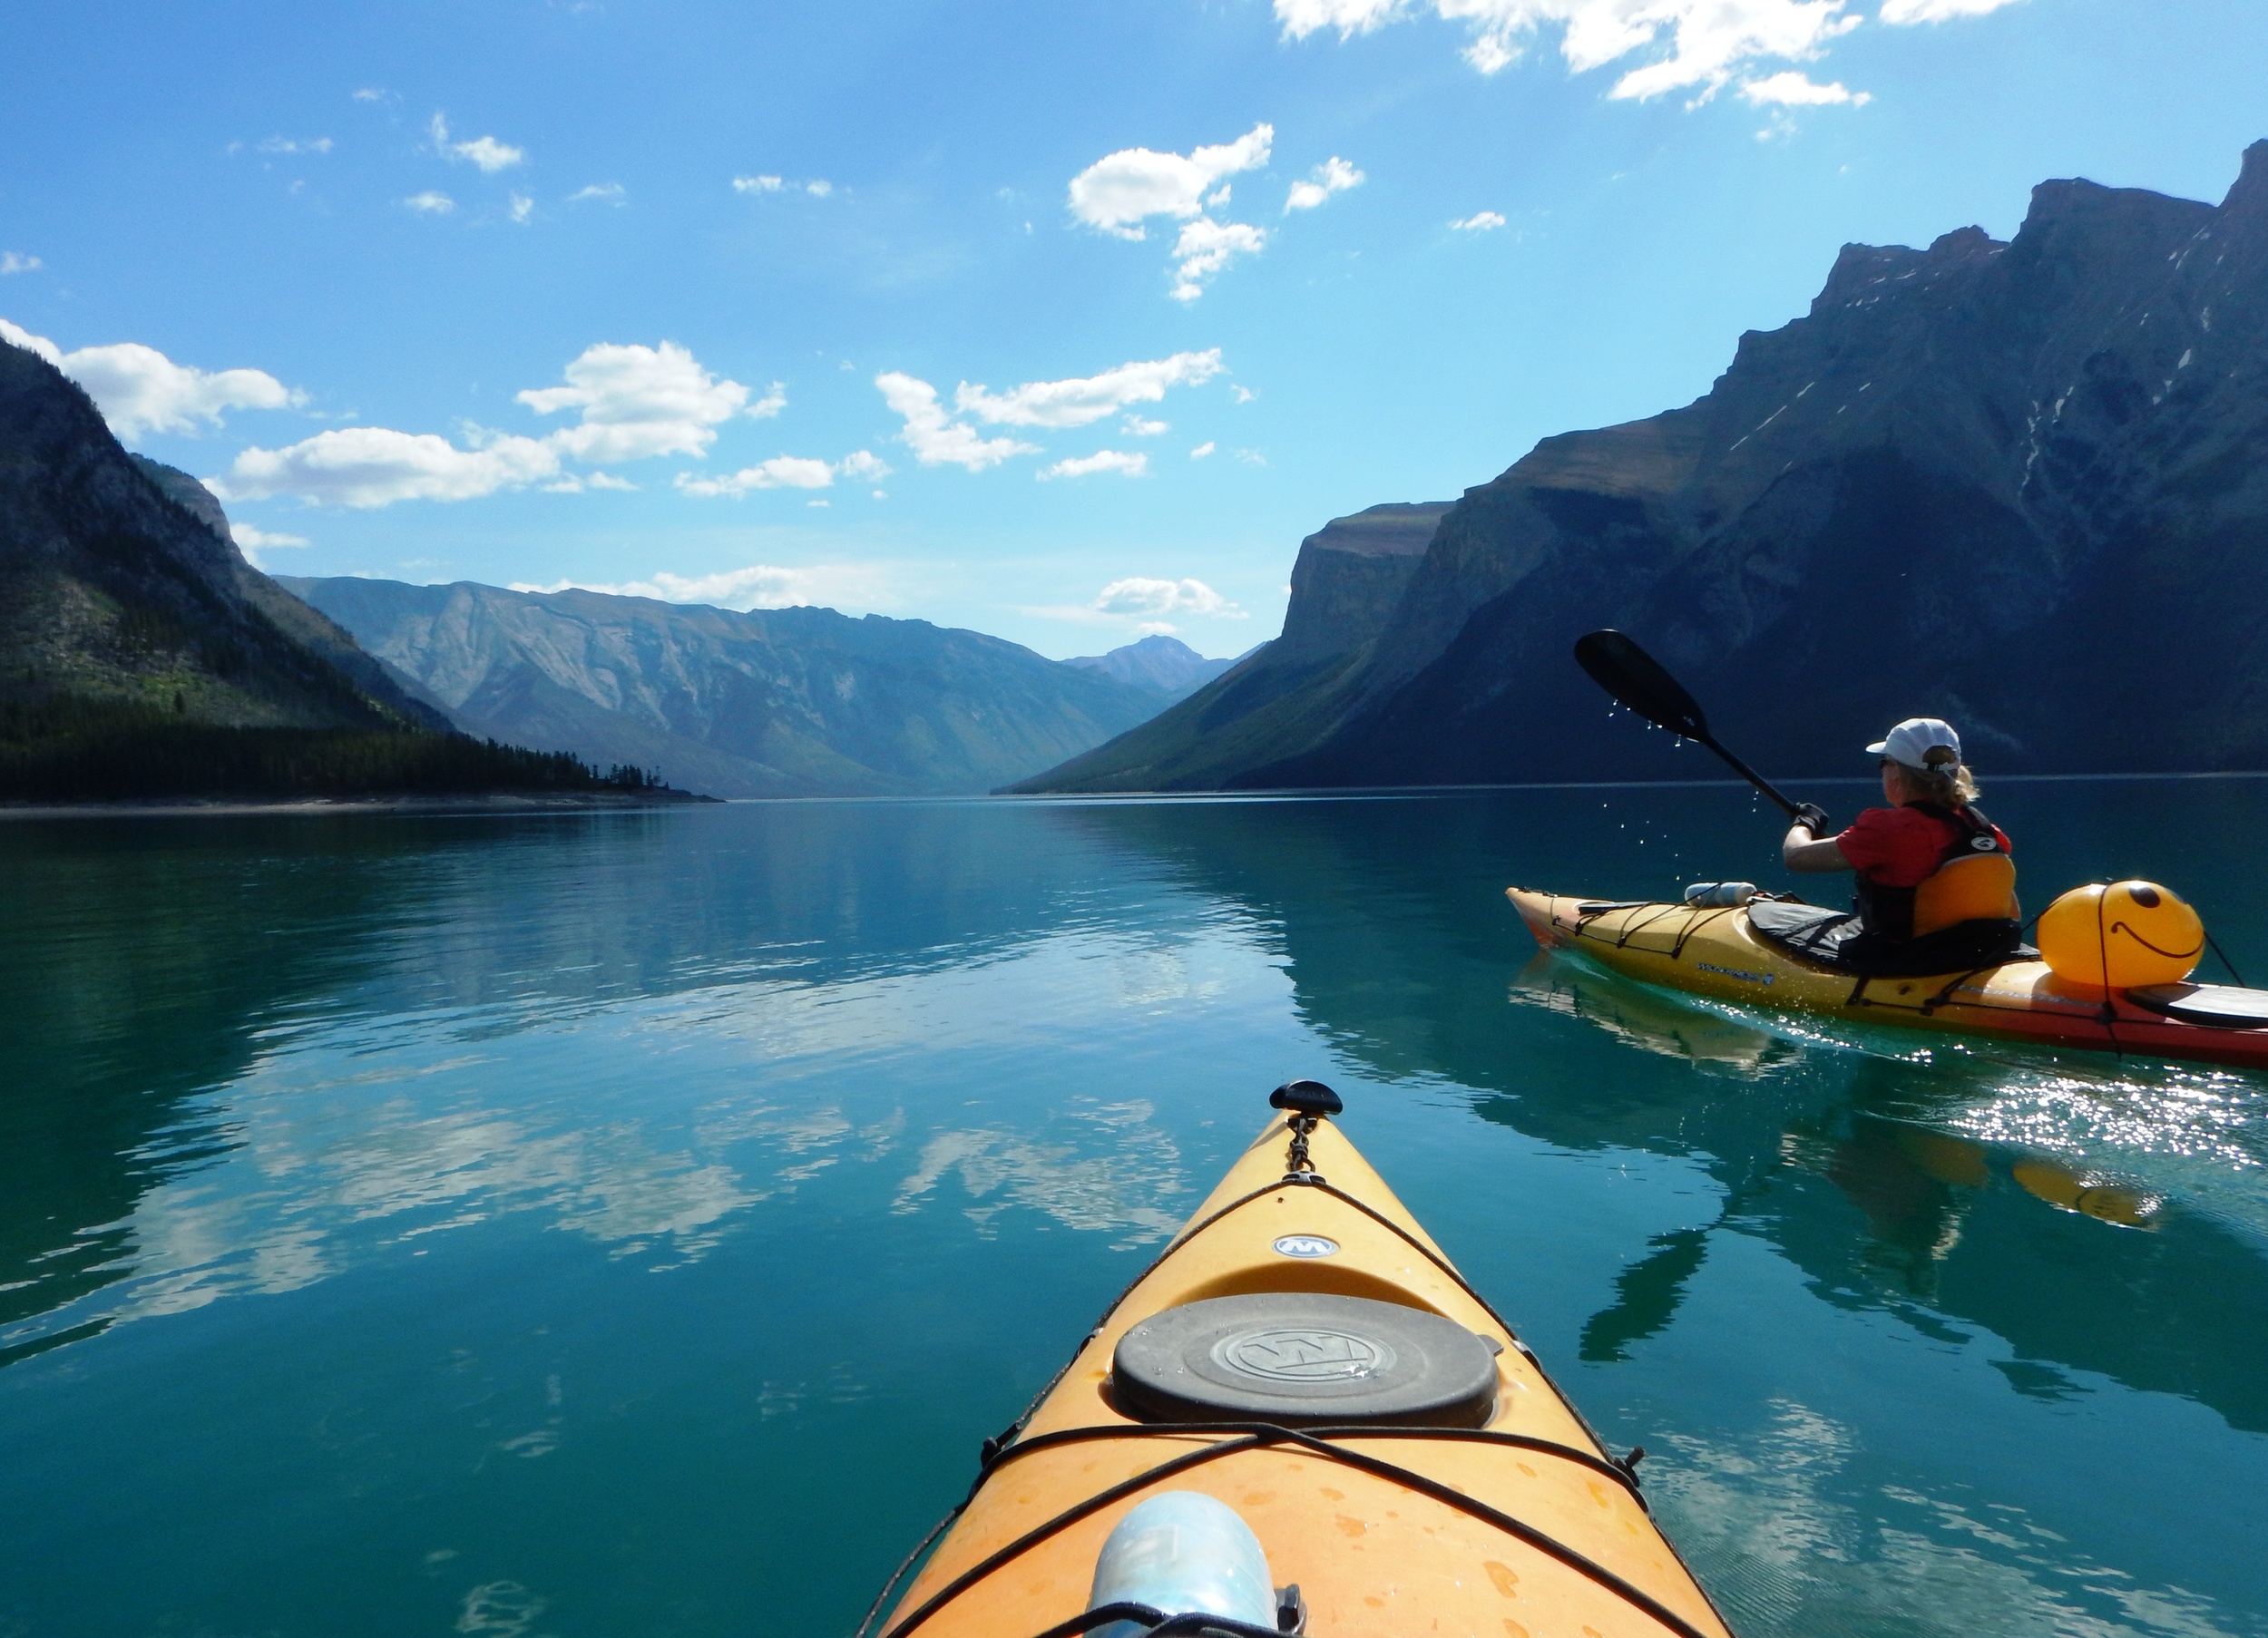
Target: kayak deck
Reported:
[(1525, 1527), (1714, 952)]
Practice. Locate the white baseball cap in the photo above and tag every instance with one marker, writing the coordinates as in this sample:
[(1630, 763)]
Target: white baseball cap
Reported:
[(1913, 740)]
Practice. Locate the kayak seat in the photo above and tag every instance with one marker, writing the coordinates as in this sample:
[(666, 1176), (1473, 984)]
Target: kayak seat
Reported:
[(1833, 939)]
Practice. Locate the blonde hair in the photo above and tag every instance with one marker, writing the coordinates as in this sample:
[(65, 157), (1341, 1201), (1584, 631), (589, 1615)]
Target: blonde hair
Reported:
[(1947, 781)]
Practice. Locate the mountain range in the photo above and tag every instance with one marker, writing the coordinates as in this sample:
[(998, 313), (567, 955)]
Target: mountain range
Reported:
[(776, 702), (2017, 484), (141, 654)]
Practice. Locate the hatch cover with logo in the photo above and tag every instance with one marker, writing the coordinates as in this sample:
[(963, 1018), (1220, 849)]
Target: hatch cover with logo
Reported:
[(1303, 1357)]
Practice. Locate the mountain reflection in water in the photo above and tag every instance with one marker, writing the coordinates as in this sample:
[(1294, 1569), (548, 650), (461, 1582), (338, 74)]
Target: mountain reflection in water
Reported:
[(635, 1222)]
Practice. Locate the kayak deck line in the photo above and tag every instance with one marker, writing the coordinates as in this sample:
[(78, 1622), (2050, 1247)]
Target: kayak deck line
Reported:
[(1713, 951), (1378, 1522), (1325, 1442)]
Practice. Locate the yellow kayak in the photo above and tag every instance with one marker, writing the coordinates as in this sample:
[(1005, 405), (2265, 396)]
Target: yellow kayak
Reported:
[(1301, 1418), (1713, 950)]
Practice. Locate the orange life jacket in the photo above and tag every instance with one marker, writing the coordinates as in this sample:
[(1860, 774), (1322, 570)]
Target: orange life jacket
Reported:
[(1975, 881)]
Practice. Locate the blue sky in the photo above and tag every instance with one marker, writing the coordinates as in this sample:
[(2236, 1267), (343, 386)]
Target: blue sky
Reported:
[(847, 304)]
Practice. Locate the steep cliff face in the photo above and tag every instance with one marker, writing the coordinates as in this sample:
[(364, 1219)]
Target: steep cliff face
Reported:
[(1286, 696), (1349, 576), (2018, 485), (118, 586), (772, 703), (2023, 486)]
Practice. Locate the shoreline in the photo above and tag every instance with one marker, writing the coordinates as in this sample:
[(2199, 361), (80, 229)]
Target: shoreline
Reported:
[(500, 803)]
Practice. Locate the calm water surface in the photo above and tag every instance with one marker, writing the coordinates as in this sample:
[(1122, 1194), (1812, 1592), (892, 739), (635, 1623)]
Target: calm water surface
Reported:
[(631, 1224)]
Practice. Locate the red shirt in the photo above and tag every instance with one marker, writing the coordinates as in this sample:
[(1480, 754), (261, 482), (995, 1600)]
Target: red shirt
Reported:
[(1900, 846)]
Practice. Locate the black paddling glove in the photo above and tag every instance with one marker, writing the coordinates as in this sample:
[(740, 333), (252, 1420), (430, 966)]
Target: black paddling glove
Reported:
[(1812, 815)]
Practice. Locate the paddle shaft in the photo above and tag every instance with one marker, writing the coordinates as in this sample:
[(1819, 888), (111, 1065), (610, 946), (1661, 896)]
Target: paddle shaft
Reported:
[(1747, 773), (1636, 680)]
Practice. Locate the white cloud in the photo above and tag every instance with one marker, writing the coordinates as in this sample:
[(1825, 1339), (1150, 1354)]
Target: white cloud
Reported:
[(1202, 449), (275, 144), (15, 261), (757, 586), (16, 336), (935, 437), (487, 152), (1793, 89), (374, 94), (140, 390), (1206, 247), (523, 208), (431, 203), (1242, 395), (576, 483), (818, 187), (781, 472), (252, 538), (1154, 599), (1897, 12), (253, 541), (603, 193), (1301, 18), (1708, 42), (1102, 460), (368, 466), (1479, 221), (1119, 190), (775, 399), (1134, 427), (1082, 400), (788, 472), (1335, 175), (639, 402)]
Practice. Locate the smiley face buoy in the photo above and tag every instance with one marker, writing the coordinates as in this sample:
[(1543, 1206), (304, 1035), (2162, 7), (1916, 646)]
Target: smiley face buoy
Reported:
[(2125, 935)]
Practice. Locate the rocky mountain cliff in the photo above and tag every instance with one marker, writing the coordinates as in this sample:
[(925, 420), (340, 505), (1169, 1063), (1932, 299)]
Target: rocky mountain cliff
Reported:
[(120, 587), (781, 702), (1285, 695), (2020, 485), (1164, 665)]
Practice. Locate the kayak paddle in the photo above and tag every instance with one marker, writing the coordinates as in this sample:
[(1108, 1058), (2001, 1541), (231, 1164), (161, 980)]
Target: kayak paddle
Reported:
[(1636, 678)]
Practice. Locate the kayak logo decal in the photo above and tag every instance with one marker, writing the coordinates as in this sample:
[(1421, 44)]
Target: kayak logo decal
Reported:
[(1735, 972), (1303, 1353), (1306, 1245)]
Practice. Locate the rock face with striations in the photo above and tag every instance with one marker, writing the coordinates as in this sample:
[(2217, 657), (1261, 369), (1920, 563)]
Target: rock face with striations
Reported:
[(1346, 582), (780, 702), (119, 585), (2023, 486)]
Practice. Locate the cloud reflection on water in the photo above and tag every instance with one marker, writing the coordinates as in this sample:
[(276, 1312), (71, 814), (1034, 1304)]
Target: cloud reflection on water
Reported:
[(1788, 1536)]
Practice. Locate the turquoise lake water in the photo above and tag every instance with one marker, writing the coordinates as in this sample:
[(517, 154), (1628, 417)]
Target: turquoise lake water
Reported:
[(631, 1223)]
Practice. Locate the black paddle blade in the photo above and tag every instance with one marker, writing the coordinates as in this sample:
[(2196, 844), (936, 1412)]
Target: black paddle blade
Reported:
[(1636, 680)]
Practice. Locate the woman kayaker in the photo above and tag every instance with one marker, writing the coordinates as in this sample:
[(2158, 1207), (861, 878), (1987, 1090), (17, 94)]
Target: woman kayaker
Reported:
[(1930, 865)]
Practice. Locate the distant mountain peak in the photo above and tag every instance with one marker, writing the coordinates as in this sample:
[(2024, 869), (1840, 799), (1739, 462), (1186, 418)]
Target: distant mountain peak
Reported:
[(1164, 665)]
